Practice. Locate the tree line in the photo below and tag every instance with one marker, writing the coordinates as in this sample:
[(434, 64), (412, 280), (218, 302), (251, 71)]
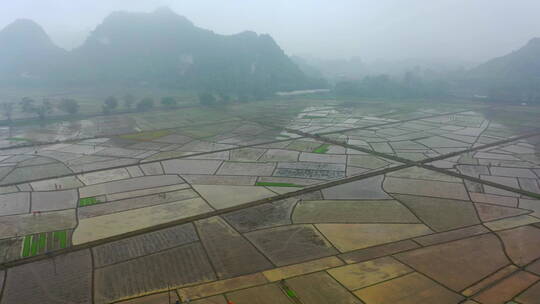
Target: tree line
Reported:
[(45, 107), (130, 103), (411, 85)]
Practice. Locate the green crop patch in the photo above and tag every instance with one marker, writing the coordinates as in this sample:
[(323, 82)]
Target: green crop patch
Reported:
[(18, 139), (291, 294), (61, 238), (322, 149), (44, 242), (270, 184), (89, 201), (26, 246), (34, 245)]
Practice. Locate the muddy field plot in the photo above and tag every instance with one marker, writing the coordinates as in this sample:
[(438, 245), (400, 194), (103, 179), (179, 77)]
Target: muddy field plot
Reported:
[(92, 206), (67, 278), (515, 164), (426, 138), (368, 222), (255, 208)]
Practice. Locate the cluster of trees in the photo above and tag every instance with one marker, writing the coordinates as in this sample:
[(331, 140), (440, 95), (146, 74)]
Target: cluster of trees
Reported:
[(410, 85), (29, 105), (520, 93), (40, 109), (71, 106), (208, 98), (111, 103), (502, 88)]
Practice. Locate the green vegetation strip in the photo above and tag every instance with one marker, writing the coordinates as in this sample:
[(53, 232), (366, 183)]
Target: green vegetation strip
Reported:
[(42, 243), (269, 184), (26, 246), (289, 292), (18, 139), (83, 202), (34, 247), (34, 244), (61, 237), (322, 149)]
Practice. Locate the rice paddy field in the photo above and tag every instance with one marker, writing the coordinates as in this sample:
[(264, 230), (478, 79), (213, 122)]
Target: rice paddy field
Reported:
[(283, 201)]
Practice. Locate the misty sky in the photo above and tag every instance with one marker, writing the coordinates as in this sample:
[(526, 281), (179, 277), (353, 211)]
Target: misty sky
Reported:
[(469, 30)]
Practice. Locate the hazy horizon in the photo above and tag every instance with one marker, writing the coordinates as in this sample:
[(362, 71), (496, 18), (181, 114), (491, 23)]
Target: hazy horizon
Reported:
[(388, 30)]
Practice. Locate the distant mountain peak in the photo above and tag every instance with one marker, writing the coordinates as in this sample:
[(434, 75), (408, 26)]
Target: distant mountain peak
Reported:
[(248, 34), (535, 41), (24, 34), (22, 22), (162, 15), (165, 10), (512, 77), (160, 48), (25, 49), (24, 28)]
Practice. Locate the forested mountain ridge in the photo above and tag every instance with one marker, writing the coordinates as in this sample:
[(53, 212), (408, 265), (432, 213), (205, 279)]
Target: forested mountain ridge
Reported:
[(26, 52), (165, 49), (513, 77), (524, 62)]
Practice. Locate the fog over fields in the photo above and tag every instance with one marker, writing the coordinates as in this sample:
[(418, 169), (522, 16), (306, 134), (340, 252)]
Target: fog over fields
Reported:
[(457, 30), (263, 152)]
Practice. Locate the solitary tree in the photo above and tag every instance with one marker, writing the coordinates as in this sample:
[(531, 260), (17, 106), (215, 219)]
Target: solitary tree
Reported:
[(145, 104), (168, 102), (27, 104), (225, 98), (129, 100), (44, 109), (7, 108), (207, 99), (243, 98), (110, 104), (70, 106)]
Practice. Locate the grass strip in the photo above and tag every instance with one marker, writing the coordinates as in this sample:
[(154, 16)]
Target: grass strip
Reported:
[(88, 201), (61, 236), (34, 247), (270, 184), (322, 149), (42, 243), (56, 237), (26, 246), (18, 139)]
